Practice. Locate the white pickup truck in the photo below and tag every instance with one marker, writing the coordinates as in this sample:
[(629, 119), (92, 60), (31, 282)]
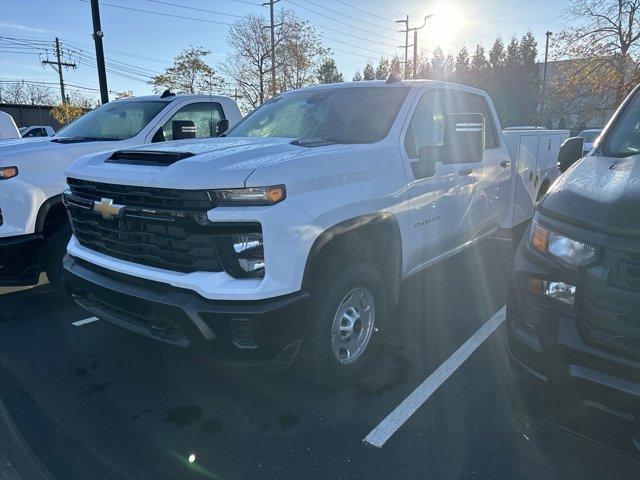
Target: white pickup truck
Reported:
[(287, 240), (34, 229)]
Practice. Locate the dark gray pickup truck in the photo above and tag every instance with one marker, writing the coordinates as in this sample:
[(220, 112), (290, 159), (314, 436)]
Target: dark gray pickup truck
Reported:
[(573, 312)]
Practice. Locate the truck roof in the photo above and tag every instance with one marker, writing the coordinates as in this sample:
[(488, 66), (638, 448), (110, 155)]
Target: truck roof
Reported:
[(384, 83), (158, 98)]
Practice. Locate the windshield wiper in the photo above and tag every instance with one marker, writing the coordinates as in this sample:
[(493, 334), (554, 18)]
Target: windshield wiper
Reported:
[(315, 142), (79, 139)]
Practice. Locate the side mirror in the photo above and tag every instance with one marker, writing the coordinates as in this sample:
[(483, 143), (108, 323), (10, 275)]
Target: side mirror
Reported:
[(222, 126), (183, 129), (570, 152), (425, 167), (464, 137)]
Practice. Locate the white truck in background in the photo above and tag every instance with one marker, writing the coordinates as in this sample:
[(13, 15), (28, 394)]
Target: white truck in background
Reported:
[(34, 131), (8, 128), (34, 227), (286, 241)]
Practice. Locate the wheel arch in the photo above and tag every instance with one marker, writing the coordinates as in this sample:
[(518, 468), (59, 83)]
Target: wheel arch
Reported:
[(365, 228), (51, 210)]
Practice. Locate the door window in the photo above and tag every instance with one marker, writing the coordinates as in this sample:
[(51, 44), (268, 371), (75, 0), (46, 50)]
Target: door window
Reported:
[(426, 128), (205, 116), (427, 124), (36, 132)]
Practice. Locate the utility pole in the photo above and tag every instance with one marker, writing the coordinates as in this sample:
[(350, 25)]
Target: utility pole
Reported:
[(272, 27), (57, 66), (406, 45), (97, 38), (544, 77)]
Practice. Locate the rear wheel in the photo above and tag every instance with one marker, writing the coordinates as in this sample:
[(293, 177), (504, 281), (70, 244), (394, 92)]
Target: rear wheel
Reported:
[(347, 314)]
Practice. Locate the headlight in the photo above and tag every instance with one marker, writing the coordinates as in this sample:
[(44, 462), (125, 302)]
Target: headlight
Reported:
[(8, 172), (252, 196), (573, 252)]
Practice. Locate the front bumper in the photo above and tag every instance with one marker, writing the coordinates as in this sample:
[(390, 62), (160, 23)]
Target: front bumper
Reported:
[(20, 259), (243, 333), (552, 352)]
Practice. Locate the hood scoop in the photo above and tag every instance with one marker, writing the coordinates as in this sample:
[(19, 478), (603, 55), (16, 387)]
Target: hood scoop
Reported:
[(147, 157)]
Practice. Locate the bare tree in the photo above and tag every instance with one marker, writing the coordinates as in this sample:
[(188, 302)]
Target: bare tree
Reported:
[(298, 51), (249, 62), (299, 54), (38, 94), (604, 35), (14, 92)]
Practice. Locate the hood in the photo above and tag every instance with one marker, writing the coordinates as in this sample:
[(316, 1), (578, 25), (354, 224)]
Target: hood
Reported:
[(598, 193), (35, 155), (224, 162)]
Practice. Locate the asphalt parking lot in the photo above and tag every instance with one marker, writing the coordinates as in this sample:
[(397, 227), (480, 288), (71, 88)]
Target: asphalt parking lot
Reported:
[(92, 401)]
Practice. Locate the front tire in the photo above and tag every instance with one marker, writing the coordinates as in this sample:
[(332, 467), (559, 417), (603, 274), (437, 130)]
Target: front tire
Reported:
[(347, 316), (57, 248)]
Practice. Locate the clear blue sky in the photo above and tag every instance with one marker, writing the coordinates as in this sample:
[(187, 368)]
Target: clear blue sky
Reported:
[(144, 42)]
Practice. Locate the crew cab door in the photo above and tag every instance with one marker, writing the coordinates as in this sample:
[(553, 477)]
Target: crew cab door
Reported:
[(439, 218)]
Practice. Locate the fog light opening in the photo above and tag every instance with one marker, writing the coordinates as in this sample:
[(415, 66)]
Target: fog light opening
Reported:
[(242, 332), (561, 291)]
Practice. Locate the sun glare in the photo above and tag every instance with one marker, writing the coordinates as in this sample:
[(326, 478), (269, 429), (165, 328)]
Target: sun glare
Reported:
[(446, 24)]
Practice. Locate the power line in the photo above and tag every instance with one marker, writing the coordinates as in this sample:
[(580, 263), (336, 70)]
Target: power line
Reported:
[(195, 8), (159, 13), (386, 19), (347, 16), (353, 45), (340, 21), (352, 35)]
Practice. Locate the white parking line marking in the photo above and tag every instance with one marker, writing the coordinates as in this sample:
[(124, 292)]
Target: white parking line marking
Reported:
[(79, 323), (383, 432)]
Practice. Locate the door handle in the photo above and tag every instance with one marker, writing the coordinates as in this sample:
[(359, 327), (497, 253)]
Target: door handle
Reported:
[(465, 172), (505, 163)]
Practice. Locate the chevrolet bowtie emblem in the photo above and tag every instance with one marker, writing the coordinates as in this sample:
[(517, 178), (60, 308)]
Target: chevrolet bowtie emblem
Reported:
[(108, 209)]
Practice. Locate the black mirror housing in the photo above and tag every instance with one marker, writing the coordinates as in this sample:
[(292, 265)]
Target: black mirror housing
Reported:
[(222, 126), (464, 137), (183, 129), (463, 143), (571, 151)]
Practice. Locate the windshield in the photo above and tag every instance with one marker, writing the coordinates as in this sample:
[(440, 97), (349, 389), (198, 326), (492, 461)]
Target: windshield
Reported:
[(589, 137), (623, 140), (341, 115), (113, 121)]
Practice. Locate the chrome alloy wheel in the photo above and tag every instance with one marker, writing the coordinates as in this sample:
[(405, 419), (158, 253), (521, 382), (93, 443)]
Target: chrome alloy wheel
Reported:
[(353, 325)]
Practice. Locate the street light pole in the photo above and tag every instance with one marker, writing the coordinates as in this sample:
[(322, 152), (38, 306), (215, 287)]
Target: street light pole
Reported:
[(544, 76), (415, 44)]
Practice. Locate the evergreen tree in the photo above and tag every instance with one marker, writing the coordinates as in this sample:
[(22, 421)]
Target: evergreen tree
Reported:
[(462, 66), (357, 77), (513, 52), (438, 64), (497, 56), (479, 60), (369, 73), (395, 66), (424, 66), (328, 72), (479, 67), (383, 69)]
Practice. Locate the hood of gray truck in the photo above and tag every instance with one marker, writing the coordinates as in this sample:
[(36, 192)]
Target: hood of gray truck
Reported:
[(598, 193)]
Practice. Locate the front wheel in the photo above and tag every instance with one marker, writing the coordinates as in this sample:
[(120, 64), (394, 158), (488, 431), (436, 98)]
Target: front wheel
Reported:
[(348, 310), (57, 248)]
